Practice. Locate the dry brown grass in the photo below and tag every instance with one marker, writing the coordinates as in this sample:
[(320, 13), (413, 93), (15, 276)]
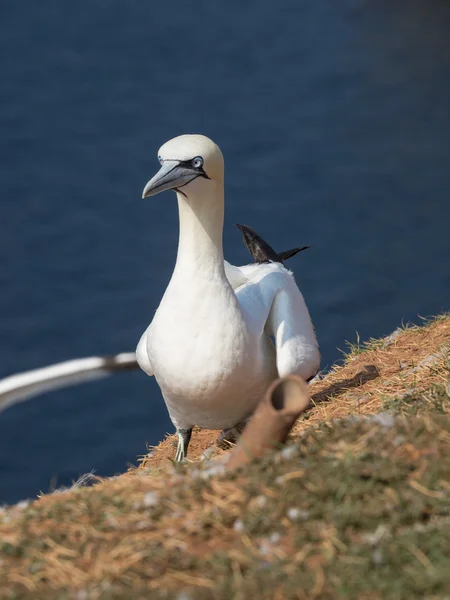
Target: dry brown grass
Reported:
[(380, 369), (354, 508)]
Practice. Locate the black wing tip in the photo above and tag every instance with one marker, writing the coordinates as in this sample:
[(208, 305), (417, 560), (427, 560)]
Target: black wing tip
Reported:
[(290, 253), (245, 228), (256, 245), (261, 250)]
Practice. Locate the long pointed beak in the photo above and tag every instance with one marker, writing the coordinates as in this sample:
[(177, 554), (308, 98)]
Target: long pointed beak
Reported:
[(171, 175)]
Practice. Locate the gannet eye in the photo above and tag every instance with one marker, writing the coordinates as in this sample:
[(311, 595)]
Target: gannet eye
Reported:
[(160, 159), (197, 162)]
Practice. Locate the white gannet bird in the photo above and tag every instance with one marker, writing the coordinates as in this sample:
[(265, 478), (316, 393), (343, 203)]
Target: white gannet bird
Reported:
[(209, 344)]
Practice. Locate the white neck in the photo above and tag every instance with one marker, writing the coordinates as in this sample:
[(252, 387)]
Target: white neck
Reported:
[(201, 227)]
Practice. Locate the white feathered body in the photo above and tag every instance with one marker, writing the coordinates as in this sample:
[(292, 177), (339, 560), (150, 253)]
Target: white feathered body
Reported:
[(208, 345)]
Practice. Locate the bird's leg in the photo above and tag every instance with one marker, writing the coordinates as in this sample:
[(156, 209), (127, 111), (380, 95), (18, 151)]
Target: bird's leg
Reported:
[(184, 437), (231, 435)]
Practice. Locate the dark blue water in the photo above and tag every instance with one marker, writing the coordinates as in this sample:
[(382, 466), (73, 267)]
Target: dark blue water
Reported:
[(334, 119)]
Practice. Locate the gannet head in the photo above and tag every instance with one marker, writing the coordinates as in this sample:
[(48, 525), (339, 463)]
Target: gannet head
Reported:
[(191, 162)]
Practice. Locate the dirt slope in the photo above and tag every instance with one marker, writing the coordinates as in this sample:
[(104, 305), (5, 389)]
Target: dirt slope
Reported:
[(357, 506)]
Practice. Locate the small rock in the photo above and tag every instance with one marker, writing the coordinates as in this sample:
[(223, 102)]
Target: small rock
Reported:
[(238, 526), (385, 419), (112, 522), (390, 339), (398, 440), (297, 514), (375, 537), (261, 501), (216, 468), (274, 537), (377, 557), (428, 361), (289, 452), (150, 499), (359, 400)]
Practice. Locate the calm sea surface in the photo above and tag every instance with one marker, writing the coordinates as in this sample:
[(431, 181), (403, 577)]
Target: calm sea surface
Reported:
[(334, 119)]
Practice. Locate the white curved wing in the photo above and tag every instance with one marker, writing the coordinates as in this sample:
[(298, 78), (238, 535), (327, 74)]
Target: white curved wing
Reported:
[(22, 386), (234, 275), (142, 353), (274, 305)]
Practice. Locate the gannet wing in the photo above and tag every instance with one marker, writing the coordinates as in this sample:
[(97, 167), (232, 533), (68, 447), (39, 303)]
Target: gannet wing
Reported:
[(234, 275), (22, 386), (142, 354), (273, 302), (289, 321), (261, 250)]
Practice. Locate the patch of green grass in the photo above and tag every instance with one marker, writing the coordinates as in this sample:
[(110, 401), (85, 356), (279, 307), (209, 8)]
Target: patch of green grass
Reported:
[(442, 316), (353, 348), (432, 401), (358, 347)]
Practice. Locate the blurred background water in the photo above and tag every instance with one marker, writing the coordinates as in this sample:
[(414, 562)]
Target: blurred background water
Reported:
[(334, 119)]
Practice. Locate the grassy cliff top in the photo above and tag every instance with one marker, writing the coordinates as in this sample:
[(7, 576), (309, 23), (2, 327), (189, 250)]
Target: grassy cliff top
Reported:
[(356, 506)]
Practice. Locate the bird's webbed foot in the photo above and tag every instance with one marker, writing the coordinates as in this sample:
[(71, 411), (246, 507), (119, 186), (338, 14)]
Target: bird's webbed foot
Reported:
[(230, 436), (184, 437)]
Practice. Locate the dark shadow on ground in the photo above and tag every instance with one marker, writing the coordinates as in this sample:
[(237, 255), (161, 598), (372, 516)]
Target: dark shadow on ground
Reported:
[(368, 373)]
